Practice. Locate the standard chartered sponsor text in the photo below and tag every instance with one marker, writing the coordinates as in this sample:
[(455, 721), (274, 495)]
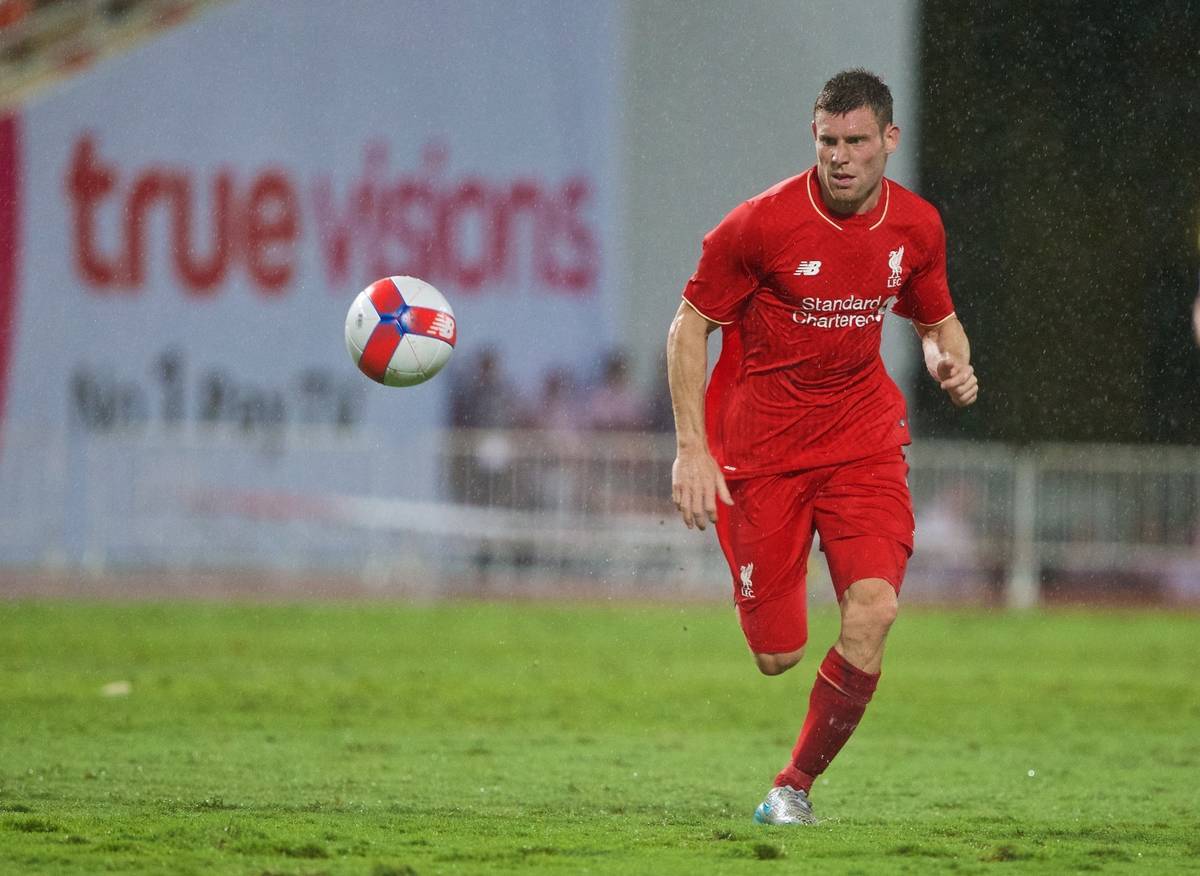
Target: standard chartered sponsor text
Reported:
[(832, 312)]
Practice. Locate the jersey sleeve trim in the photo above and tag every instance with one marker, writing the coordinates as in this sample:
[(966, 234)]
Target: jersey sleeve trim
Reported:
[(709, 318), (946, 318)]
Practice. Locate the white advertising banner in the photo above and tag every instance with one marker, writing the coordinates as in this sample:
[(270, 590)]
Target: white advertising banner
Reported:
[(183, 229)]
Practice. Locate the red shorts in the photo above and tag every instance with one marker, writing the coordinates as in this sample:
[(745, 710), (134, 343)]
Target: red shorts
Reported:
[(861, 509)]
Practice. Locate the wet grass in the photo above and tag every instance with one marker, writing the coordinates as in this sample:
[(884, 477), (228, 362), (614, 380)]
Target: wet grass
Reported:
[(500, 738)]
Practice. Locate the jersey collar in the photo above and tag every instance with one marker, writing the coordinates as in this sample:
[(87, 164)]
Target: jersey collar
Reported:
[(870, 220)]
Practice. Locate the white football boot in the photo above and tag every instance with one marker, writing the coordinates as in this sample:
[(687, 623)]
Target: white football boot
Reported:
[(785, 805)]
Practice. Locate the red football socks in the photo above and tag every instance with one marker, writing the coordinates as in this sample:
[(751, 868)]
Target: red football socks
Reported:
[(835, 707)]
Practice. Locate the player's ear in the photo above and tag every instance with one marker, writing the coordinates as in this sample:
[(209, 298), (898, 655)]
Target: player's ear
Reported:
[(891, 138), (814, 130)]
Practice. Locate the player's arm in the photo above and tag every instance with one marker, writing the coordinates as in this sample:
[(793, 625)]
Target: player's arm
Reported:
[(696, 480), (948, 359)]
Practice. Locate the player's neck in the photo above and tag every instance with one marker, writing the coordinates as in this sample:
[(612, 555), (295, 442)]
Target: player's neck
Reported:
[(846, 209), (841, 209)]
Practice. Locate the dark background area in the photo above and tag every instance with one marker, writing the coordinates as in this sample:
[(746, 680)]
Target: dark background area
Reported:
[(1061, 141)]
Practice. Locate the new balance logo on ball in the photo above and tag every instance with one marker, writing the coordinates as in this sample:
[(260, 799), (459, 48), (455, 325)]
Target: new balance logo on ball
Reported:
[(442, 326), (808, 269)]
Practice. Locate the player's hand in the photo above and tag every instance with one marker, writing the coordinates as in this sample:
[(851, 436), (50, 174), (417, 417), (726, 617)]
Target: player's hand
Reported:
[(958, 380), (696, 484)]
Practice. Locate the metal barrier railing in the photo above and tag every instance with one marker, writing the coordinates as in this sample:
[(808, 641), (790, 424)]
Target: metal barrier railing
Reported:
[(994, 523)]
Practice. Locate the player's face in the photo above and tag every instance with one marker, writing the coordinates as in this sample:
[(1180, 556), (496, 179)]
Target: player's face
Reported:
[(852, 151)]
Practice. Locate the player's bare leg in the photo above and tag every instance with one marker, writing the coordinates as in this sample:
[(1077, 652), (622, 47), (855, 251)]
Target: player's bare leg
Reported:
[(869, 608), (845, 682), (777, 664)]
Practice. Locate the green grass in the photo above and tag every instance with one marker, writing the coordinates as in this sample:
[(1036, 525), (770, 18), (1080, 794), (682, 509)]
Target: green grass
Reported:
[(495, 738)]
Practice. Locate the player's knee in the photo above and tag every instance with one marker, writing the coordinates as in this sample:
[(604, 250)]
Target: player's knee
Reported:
[(777, 664), (885, 611), (872, 605)]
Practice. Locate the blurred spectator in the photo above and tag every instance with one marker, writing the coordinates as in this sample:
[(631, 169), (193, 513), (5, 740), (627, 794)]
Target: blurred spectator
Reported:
[(12, 11), (481, 464), (949, 564), (1196, 318), (1181, 581), (660, 417), (557, 407), (615, 403), (556, 468), (482, 397)]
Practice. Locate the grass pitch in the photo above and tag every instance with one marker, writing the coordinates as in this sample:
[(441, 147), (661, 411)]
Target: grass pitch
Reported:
[(388, 739)]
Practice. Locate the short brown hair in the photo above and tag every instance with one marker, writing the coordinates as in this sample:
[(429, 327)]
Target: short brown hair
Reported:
[(853, 89)]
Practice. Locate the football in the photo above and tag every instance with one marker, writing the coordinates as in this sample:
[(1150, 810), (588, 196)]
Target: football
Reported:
[(400, 331)]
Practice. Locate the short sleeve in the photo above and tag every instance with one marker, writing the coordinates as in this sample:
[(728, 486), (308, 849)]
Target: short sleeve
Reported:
[(728, 271), (925, 297)]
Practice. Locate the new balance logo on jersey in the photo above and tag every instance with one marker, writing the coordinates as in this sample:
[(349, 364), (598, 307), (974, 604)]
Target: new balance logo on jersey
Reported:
[(744, 573), (807, 269), (894, 259)]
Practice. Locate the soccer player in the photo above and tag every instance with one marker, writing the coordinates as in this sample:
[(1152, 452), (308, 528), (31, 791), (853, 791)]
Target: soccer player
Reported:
[(801, 430), (1196, 318)]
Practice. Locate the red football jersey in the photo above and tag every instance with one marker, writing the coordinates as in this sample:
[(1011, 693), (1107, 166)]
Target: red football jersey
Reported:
[(801, 294)]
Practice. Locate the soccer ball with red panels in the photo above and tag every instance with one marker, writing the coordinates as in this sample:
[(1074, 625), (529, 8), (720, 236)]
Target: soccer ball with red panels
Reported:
[(400, 331)]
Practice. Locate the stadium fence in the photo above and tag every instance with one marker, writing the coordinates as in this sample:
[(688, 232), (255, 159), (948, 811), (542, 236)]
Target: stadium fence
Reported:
[(551, 512)]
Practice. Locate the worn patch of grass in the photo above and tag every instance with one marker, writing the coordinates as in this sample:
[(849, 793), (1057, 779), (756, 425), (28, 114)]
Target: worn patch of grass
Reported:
[(501, 738)]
